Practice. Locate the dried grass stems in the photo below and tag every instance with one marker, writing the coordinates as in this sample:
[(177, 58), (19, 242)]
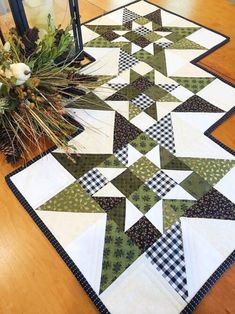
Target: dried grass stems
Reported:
[(34, 109)]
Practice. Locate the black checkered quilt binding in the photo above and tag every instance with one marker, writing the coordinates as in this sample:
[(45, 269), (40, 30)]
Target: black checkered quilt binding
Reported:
[(92, 181), (168, 256)]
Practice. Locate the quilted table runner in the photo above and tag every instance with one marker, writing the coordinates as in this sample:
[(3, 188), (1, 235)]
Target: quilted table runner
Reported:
[(143, 213)]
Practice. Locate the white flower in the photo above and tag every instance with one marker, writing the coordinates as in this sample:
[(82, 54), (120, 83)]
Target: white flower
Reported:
[(20, 71), (7, 46)]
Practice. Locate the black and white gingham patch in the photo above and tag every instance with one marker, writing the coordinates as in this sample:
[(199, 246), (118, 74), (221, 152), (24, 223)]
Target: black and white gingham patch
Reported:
[(117, 86), (92, 181), (163, 45), (142, 30), (126, 61), (129, 16), (168, 87), (167, 255), (161, 183), (122, 155), (142, 101), (162, 132)]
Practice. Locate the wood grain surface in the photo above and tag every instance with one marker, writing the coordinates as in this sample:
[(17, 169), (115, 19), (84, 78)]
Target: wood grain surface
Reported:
[(33, 278)]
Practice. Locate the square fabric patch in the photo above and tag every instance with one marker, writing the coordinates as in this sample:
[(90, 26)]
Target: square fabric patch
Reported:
[(161, 183), (92, 181), (142, 101)]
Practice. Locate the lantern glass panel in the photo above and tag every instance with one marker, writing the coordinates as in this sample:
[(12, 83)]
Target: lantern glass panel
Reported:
[(6, 19), (37, 12)]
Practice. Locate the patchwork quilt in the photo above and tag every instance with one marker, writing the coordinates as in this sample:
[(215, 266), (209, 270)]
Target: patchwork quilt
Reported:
[(143, 213)]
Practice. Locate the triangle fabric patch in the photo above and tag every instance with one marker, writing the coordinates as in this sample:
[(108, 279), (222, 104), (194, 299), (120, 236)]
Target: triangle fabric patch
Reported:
[(129, 16), (155, 17), (186, 44), (152, 111), (132, 215), (126, 61), (167, 255), (194, 84), (119, 253), (173, 210), (124, 132), (162, 132), (212, 205), (72, 199), (197, 104), (118, 214), (158, 62), (107, 203), (211, 170)]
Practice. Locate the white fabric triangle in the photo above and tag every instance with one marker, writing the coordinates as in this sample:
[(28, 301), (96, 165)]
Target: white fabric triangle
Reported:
[(107, 61), (163, 33), (111, 173), (125, 75), (121, 33), (133, 155), (155, 216), (132, 215), (104, 91), (190, 70), (88, 34), (143, 121), (188, 55), (149, 26), (201, 120), (66, 226), (173, 62), (121, 107), (120, 39), (135, 48), (177, 175), (163, 40), (206, 246), (154, 156), (149, 49), (163, 108), (135, 25), (162, 79), (87, 256), (109, 190), (94, 140), (178, 193), (202, 147), (169, 19), (142, 68)]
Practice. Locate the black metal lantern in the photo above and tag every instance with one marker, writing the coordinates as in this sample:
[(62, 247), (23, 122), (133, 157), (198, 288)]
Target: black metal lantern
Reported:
[(27, 13)]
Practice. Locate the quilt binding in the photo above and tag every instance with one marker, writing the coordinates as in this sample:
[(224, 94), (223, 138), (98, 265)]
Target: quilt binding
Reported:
[(190, 307)]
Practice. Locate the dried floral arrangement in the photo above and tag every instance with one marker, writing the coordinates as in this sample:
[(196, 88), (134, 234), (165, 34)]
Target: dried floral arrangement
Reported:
[(37, 81)]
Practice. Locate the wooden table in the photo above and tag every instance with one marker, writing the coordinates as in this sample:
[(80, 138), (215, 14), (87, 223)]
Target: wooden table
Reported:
[(33, 278)]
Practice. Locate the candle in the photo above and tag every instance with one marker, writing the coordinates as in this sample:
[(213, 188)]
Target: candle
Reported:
[(37, 12)]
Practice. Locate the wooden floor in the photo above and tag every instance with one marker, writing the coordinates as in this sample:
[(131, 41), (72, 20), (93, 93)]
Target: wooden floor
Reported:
[(33, 278)]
